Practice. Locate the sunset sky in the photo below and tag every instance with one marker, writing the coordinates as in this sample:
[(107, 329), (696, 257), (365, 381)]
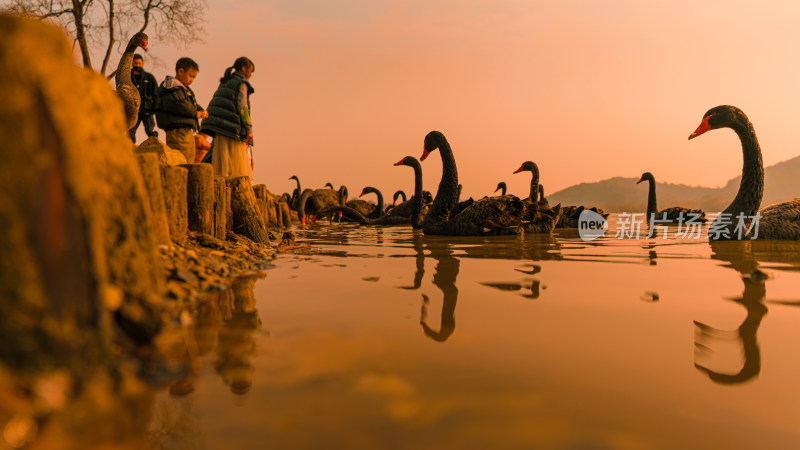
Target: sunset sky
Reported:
[(586, 89)]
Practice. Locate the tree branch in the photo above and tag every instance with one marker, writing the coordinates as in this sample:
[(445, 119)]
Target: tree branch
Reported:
[(111, 39)]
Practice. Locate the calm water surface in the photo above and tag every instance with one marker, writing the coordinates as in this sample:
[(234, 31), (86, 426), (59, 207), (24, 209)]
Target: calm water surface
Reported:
[(385, 338)]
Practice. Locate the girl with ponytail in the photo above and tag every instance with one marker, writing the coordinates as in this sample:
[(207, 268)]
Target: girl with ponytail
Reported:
[(229, 121)]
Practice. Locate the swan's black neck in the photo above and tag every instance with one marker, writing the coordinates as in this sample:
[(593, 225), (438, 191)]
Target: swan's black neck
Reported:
[(400, 194), (301, 207), (379, 208), (651, 198), (416, 204), (447, 195), (534, 193), (751, 189), (123, 76), (343, 195), (502, 187)]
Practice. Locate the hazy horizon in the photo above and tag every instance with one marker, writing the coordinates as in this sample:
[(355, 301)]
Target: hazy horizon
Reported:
[(587, 90)]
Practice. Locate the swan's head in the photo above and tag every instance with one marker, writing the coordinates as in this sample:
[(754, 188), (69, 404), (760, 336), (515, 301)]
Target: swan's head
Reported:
[(294, 177), (368, 190), (329, 185), (647, 176), (433, 140), (720, 117), (141, 40), (409, 161), (500, 186), (529, 166)]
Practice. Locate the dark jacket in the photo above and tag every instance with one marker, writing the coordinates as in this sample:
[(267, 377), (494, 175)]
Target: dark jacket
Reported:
[(176, 106), (224, 110), (146, 83)]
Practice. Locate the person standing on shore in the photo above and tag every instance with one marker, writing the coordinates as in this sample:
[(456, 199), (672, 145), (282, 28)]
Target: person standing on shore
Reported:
[(229, 121), (146, 83), (177, 111)]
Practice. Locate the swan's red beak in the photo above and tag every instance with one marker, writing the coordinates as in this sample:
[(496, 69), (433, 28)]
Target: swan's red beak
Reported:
[(704, 126), (518, 170), (361, 194), (400, 163), (642, 179), (425, 154)]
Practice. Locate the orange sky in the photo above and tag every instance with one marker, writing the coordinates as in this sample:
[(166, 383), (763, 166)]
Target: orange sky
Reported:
[(586, 89)]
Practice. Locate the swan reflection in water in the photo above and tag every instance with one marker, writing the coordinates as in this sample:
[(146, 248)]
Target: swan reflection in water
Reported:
[(445, 279), (739, 256)]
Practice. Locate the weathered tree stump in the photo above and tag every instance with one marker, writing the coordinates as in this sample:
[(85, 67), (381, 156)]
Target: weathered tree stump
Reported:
[(245, 211), (270, 214), (286, 214), (260, 191), (200, 197), (173, 180), (151, 173), (222, 202), (229, 210), (278, 214)]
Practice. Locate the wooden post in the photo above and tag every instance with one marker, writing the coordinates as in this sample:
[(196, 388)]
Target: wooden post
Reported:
[(247, 217), (286, 215), (151, 173), (173, 180), (278, 214), (260, 191), (200, 197), (222, 202), (270, 214)]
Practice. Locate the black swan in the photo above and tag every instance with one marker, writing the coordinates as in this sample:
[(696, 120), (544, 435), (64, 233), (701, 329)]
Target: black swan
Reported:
[(330, 185), (778, 221), (393, 218), (126, 91), (674, 214), (378, 210), (501, 186), (295, 200), (539, 216), (399, 194), (491, 215), (530, 166)]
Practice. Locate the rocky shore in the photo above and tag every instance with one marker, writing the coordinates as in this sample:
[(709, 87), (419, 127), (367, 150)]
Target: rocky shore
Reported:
[(108, 254)]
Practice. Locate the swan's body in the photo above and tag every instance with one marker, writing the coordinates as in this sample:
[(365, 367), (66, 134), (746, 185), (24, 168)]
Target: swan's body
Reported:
[(675, 214), (778, 221), (126, 91), (487, 216), (572, 214)]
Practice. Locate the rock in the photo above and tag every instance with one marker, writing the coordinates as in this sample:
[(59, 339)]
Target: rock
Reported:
[(76, 220), (166, 155)]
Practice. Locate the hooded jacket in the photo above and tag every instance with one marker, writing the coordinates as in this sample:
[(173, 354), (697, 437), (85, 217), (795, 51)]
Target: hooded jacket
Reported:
[(176, 106)]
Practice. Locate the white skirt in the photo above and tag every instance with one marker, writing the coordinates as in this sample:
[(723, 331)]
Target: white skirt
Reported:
[(230, 158)]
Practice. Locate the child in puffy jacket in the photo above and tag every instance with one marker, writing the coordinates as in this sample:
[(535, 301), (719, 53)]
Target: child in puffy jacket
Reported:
[(177, 111)]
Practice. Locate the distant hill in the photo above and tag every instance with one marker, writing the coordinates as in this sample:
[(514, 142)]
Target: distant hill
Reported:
[(619, 194)]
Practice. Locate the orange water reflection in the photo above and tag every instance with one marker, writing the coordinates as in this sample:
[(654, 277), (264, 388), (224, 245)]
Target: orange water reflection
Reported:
[(555, 347)]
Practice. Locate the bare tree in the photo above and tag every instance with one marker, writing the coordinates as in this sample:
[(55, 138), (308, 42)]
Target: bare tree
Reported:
[(99, 27)]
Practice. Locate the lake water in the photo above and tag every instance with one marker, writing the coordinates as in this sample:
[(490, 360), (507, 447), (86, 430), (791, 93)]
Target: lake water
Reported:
[(385, 338)]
